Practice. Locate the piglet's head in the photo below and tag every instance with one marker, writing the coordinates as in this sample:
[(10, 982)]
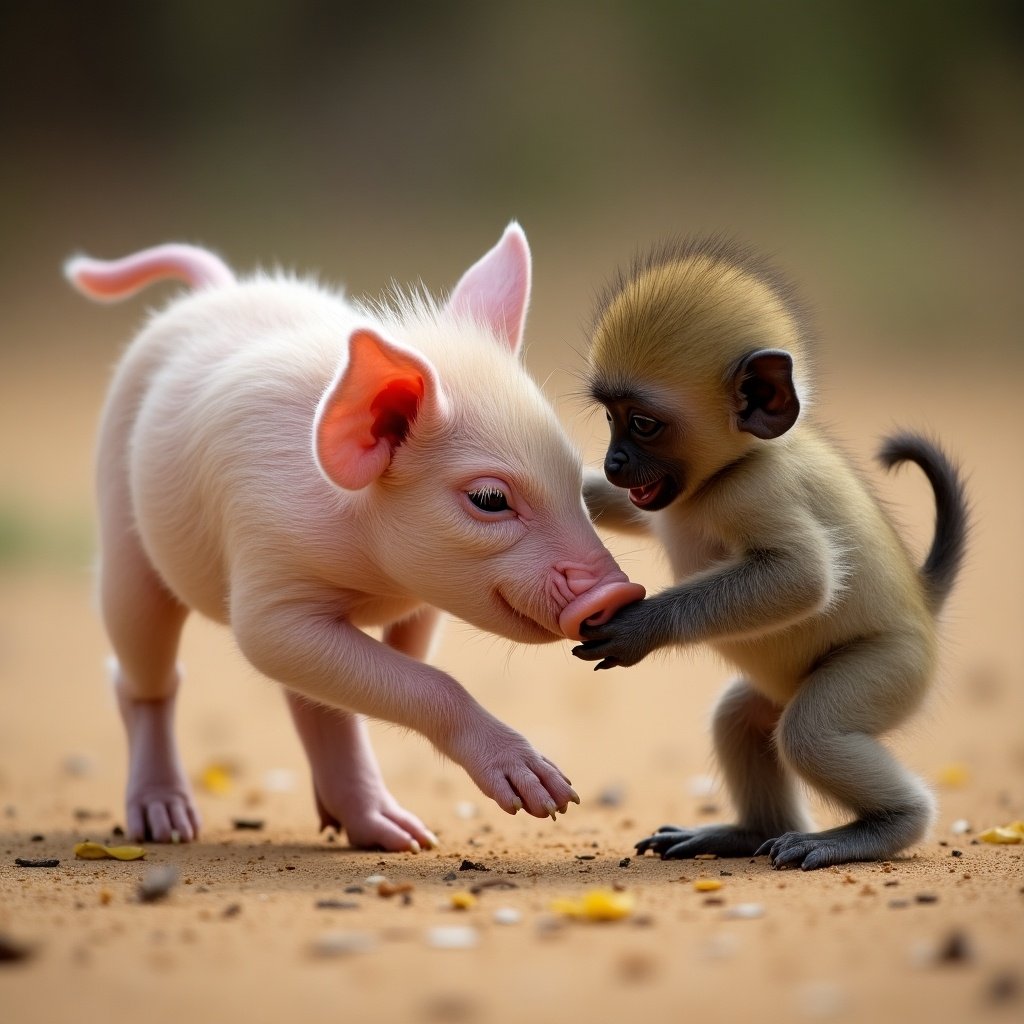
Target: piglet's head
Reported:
[(471, 490)]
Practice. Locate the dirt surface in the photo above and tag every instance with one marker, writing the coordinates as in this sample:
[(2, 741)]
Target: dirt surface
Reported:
[(933, 936)]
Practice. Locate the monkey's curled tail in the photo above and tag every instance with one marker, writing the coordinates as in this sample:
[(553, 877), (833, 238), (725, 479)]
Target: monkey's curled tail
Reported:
[(112, 280), (949, 544)]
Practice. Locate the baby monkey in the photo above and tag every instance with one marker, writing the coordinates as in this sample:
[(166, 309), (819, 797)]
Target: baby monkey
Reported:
[(784, 561)]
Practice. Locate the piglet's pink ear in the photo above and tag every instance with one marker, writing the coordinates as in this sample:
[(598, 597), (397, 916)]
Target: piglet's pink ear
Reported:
[(496, 289), (368, 410)]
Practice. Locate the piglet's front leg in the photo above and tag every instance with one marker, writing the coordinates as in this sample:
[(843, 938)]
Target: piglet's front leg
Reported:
[(307, 646)]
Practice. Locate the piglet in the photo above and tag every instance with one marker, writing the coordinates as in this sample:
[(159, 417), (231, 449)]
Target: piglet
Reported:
[(298, 466)]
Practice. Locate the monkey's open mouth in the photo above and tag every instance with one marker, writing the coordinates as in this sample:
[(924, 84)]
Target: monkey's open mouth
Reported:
[(647, 495)]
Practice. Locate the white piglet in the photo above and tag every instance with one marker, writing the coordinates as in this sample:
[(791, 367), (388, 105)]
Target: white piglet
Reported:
[(297, 465)]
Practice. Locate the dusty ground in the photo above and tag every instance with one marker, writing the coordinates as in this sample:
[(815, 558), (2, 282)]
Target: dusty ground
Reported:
[(235, 940)]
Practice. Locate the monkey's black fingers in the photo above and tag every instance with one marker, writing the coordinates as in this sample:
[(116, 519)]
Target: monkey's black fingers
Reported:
[(663, 840), (607, 663), (592, 650), (765, 849)]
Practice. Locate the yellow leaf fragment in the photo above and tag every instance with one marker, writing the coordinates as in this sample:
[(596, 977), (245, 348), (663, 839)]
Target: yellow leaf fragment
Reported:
[(954, 775), (217, 779), (596, 905), (707, 885), (463, 900), (1012, 833), (97, 851)]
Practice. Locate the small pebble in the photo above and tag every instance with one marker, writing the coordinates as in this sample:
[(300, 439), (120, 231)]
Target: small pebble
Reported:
[(745, 911), (374, 880), (453, 937), (468, 865), (507, 915), (231, 910), (11, 951), (38, 839), (251, 824), (586, 856), (157, 883), (926, 897), (342, 943), (464, 810), (956, 853), (352, 889), (79, 765), (450, 877), (701, 785), (44, 862), (955, 949), (279, 780), (821, 999), (337, 905), (960, 827), (625, 862), (1003, 988), (611, 796), (898, 904)]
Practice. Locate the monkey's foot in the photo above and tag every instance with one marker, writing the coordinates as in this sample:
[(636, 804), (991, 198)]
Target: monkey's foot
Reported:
[(371, 817), (675, 843), (865, 839)]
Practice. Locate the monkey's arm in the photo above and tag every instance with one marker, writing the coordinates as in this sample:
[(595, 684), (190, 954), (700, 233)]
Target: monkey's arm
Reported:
[(767, 588), (609, 506)]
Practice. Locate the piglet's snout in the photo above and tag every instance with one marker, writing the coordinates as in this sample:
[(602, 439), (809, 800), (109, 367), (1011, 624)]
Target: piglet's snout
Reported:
[(597, 604)]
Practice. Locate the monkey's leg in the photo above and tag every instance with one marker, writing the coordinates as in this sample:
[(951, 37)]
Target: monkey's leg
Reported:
[(347, 783), (761, 788), (827, 734)]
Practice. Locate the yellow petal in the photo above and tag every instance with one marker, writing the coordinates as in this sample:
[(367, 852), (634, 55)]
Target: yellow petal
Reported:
[(463, 900), (1007, 834), (954, 775), (90, 851), (97, 851), (216, 778), (707, 885)]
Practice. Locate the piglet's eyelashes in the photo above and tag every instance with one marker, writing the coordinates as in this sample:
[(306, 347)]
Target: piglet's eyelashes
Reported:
[(490, 499)]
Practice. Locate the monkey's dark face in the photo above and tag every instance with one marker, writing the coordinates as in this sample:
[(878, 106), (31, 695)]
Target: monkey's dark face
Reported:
[(641, 454)]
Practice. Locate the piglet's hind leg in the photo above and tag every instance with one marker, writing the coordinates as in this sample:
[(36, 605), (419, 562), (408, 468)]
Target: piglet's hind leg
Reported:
[(350, 792)]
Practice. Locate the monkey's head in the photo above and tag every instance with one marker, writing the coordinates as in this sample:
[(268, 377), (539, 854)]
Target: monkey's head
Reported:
[(697, 356)]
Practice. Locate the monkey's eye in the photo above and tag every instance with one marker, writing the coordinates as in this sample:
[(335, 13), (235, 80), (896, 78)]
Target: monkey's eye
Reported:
[(489, 499), (644, 426)]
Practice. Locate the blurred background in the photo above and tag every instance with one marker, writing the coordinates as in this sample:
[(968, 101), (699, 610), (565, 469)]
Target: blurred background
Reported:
[(876, 150)]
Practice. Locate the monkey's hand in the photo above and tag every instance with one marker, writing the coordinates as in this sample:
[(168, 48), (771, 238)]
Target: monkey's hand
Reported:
[(633, 632)]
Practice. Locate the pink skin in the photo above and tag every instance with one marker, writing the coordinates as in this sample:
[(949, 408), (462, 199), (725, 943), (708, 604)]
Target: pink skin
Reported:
[(292, 523)]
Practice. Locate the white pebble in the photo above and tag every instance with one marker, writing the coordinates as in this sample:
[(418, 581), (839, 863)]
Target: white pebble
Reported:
[(279, 780), (507, 915), (721, 947), (960, 827), (342, 943), (702, 785), (374, 879), (821, 999), (79, 765), (746, 911), (465, 810), (453, 936)]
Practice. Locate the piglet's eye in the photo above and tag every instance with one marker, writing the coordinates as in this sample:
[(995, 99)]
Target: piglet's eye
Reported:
[(489, 499)]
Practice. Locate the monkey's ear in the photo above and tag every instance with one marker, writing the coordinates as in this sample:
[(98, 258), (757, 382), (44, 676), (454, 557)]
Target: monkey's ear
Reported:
[(496, 289), (767, 404)]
